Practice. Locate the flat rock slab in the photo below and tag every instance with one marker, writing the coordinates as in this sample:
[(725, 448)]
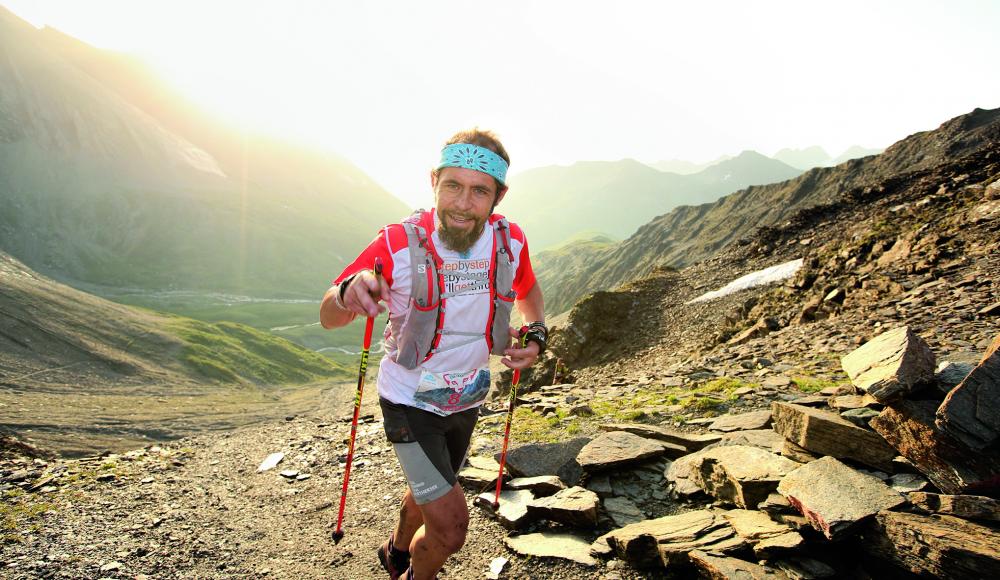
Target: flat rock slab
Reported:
[(553, 545), (617, 449), (848, 402), (541, 486), (744, 421), (834, 497), (481, 462), (681, 443), (575, 506), (950, 374), (971, 507), (767, 537), (741, 475), (513, 511), (765, 439), (622, 511), (721, 567), (935, 546), (951, 466), (475, 478), (890, 365), (971, 411), (827, 433), (667, 540), (547, 459)]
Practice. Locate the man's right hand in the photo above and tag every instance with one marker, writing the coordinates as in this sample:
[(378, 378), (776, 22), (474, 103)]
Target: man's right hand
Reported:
[(364, 292)]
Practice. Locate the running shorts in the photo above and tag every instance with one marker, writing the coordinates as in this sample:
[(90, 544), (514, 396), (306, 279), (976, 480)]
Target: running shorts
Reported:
[(430, 448)]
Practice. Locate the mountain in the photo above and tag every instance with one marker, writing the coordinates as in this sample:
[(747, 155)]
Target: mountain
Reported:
[(682, 167), (804, 159), (854, 152), (554, 203), (692, 233), (109, 179)]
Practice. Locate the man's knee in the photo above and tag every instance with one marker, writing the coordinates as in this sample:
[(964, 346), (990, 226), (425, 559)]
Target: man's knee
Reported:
[(453, 537)]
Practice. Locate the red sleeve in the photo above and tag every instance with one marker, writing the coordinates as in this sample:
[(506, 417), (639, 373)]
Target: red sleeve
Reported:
[(378, 248), (524, 278)]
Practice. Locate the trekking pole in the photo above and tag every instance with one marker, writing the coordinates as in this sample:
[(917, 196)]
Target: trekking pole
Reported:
[(506, 434), (338, 534)]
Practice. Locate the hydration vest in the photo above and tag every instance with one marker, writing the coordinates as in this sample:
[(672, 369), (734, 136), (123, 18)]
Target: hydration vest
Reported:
[(418, 333)]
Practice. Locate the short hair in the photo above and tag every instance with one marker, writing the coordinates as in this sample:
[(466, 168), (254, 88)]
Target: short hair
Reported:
[(482, 138)]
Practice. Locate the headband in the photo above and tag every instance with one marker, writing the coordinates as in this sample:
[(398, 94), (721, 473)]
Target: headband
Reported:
[(474, 157)]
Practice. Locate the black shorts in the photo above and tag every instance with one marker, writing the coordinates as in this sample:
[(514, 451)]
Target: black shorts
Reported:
[(430, 448)]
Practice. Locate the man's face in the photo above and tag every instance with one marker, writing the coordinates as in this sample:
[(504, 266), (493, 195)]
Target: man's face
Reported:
[(465, 198)]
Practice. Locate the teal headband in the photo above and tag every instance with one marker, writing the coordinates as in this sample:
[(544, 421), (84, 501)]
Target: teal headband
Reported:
[(476, 158)]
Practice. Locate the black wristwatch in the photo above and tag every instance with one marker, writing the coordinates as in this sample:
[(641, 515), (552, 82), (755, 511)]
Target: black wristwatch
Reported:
[(537, 333)]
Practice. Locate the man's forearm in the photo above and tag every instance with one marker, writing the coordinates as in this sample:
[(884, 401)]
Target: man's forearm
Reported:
[(331, 315), (532, 306)]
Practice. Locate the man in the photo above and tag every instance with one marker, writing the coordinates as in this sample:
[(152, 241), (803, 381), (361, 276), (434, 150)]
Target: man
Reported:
[(450, 277)]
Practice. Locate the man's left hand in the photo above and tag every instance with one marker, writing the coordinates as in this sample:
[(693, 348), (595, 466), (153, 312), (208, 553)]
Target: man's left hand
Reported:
[(518, 358)]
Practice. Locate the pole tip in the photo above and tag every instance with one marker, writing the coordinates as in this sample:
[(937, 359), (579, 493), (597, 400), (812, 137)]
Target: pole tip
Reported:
[(338, 536)]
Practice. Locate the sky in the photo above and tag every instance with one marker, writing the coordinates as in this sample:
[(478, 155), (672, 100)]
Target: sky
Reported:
[(384, 84)]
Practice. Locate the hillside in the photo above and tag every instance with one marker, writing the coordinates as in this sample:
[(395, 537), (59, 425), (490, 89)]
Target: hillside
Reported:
[(554, 203), (109, 179), (689, 234), (80, 373)]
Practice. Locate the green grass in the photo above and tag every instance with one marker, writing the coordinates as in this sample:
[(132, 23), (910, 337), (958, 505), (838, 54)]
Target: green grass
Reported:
[(229, 352), (531, 427), (816, 384), (20, 515)]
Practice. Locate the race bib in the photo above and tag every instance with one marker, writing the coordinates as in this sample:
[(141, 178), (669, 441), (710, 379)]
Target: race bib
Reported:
[(446, 393)]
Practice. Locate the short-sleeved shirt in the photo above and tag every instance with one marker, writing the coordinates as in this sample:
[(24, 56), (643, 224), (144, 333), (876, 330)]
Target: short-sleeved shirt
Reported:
[(468, 312)]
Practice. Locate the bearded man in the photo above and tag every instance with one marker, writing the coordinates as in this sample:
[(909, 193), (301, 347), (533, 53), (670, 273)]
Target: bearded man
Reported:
[(450, 278)]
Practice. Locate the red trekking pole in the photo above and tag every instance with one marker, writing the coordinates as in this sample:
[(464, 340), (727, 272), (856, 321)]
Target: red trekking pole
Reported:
[(338, 534), (506, 434)]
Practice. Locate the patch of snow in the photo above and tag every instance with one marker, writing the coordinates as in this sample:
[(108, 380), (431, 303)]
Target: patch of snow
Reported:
[(752, 280)]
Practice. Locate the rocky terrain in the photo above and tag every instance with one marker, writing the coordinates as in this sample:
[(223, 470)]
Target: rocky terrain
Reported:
[(691, 234), (796, 430)]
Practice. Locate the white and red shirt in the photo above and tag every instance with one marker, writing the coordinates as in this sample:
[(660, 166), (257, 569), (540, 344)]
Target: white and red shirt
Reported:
[(467, 312)]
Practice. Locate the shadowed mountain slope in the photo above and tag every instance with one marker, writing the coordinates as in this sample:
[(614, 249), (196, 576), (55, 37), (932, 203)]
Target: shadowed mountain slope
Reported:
[(109, 179)]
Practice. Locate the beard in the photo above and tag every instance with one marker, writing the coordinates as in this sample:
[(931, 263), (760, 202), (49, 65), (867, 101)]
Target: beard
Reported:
[(458, 240)]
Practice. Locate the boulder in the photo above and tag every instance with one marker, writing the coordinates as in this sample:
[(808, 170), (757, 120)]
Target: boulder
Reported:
[(891, 365), (970, 507), (668, 540), (553, 545), (765, 439), (616, 449), (951, 466), (690, 442), (513, 510), (547, 459), (682, 475), (827, 433), (574, 506), (971, 411), (741, 475), (744, 421), (935, 546), (834, 497)]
